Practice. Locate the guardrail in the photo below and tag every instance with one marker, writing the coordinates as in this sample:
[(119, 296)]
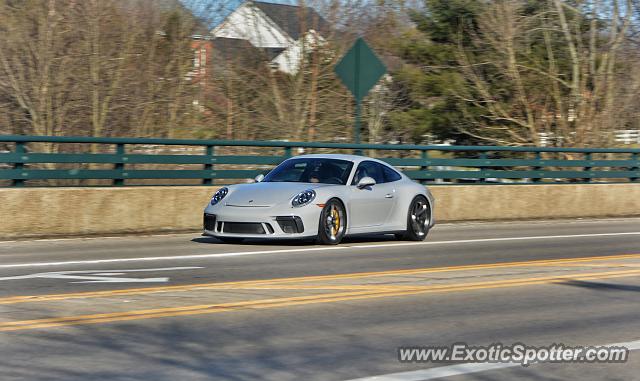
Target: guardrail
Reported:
[(30, 160)]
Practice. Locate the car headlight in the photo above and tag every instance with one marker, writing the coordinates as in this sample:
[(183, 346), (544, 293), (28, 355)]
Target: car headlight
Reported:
[(303, 198), (219, 195)]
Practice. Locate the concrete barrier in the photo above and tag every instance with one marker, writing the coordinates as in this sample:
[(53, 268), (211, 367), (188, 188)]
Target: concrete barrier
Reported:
[(50, 212), (511, 202)]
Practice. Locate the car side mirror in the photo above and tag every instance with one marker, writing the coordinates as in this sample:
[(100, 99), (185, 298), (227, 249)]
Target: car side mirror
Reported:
[(259, 178), (366, 182)]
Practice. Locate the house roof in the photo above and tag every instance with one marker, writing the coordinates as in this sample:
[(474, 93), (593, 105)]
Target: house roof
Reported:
[(233, 48), (272, 53), (293, 19)]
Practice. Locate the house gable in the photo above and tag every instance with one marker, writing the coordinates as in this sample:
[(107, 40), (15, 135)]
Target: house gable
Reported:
[(249, 23)]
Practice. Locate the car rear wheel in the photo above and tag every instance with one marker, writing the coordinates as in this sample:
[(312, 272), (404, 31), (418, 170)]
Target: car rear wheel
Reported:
[(418, 219), (333, 223)]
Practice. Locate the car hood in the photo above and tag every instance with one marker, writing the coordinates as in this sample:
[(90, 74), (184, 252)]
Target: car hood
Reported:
[(265, 194)]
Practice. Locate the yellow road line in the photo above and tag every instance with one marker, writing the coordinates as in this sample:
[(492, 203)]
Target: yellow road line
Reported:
[(294, 301), (244, 284)]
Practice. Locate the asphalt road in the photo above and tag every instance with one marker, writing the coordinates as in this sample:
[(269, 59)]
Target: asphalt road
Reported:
[(185, 307)]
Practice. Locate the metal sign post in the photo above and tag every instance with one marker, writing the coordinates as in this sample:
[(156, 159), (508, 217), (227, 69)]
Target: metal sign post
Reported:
[(359, 70)]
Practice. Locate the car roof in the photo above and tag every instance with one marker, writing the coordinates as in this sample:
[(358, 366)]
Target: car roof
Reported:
[(354, 158)]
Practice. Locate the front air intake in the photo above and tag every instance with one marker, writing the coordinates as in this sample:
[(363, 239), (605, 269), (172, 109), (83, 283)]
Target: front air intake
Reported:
[(290, 224), (243, 228), (209, 222)]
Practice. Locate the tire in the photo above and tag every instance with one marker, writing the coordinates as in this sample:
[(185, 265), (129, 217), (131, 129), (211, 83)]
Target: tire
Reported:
[(231, 240), (333, 223), (418, 217)]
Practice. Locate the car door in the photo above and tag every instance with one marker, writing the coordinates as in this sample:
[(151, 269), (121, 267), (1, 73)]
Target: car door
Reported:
[(371, 206)]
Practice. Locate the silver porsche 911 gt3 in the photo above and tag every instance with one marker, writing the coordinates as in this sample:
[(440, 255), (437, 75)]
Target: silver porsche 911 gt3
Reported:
[(325, 197)]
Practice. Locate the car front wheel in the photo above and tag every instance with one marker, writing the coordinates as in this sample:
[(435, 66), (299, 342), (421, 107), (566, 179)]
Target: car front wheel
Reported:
[(333, 223)]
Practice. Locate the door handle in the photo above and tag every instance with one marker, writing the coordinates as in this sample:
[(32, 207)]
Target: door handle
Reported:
[(388, 195)]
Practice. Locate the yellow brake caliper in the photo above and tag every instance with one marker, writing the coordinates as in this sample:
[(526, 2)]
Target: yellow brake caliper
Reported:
[(336, 221)]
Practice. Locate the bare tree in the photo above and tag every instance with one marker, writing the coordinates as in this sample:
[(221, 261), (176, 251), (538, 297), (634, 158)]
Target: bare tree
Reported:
[(37, 64), (572, 93), (95, 68)]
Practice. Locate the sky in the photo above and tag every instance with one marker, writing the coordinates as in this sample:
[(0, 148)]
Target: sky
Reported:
[(215, 11)]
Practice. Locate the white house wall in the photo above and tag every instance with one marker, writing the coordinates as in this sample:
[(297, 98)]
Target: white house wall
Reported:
[(289, 60), (249, 23)]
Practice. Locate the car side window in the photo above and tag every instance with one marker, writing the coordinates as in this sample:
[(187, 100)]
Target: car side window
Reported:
[(369, 169), (390, 175)]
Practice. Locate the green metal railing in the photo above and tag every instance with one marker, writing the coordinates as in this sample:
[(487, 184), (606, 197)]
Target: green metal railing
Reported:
[(30, 160)]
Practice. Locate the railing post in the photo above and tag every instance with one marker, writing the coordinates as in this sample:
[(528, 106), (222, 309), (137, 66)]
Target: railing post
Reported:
[(587, 156), (209, 166), (538, 158), (636, 157), (119, 166), (424, 155), (482, 156), (287, 152), (20, 150)]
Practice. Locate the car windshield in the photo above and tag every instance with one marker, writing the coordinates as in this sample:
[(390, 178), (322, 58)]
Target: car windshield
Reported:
[(311, 170)]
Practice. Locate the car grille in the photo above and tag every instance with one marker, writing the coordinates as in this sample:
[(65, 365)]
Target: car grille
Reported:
[(209, 222), (243, 228)]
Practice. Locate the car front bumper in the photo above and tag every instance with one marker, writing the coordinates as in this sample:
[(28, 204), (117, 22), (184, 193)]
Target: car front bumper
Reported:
[(261, 222)]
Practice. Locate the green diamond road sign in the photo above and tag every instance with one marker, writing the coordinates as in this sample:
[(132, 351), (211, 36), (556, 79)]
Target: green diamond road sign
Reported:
[(360, 69)]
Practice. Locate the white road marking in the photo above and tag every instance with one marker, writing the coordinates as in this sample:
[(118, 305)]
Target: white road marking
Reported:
[(460, 369), (308, 249), (99, 276), (173, 257), (438, 372), (498, 239)]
